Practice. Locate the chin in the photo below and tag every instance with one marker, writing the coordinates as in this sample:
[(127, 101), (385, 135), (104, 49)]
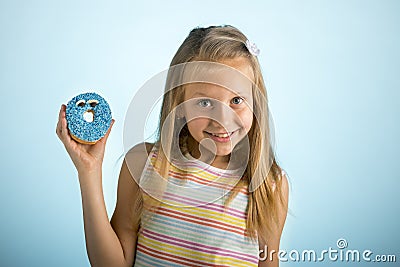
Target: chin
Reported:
[(223, 152)]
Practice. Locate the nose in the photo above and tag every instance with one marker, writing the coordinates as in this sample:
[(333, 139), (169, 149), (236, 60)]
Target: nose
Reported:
[(224, 116)]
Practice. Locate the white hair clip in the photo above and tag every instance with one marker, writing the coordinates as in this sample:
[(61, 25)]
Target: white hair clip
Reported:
[(253, 49)]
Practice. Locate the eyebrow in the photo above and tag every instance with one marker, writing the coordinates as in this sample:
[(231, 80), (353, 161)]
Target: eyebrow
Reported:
[(202, 94), (199, 93)]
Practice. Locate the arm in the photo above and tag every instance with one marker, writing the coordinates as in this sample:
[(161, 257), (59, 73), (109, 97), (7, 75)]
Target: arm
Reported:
[(274, 240), (105, 245), (102, 243), (113, 243)]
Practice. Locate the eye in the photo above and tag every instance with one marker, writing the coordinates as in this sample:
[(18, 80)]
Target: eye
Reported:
[(237, 100), (81, 103), (93, 102), (204, 103)]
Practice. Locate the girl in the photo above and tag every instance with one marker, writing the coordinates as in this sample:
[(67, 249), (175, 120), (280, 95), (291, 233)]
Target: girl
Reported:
[(208, 192)]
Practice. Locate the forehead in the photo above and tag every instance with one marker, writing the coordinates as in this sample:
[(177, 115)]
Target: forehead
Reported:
[(215, 91), (234, 76)]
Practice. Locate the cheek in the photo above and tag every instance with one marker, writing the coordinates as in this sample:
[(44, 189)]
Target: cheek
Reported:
[(197, 124), (247, 119)]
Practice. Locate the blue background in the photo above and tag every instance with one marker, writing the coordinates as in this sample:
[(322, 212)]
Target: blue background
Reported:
[(331, 69)]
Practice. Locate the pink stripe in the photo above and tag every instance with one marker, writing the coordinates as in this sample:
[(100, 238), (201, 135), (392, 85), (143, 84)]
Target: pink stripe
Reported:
[(196, 246)]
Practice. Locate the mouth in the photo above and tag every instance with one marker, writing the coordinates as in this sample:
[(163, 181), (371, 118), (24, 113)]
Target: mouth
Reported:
[(88, 115), (221, 137)]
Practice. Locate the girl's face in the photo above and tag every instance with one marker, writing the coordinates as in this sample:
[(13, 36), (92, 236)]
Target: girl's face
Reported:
[(220, 115)]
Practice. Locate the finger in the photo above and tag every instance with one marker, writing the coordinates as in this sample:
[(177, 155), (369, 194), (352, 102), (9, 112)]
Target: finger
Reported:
[(63, 130), (58, 127)]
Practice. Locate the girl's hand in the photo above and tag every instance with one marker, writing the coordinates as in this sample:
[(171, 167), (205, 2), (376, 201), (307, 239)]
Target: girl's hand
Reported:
[(86, 158)]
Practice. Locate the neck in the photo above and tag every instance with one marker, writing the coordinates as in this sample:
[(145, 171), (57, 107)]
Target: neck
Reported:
[(202, 154)]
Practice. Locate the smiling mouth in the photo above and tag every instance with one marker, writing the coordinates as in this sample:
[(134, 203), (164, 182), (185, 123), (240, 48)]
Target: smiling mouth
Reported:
[(222, 135)]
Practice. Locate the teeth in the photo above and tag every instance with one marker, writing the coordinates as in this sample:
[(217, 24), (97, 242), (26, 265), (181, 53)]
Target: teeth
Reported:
[(221, 135)]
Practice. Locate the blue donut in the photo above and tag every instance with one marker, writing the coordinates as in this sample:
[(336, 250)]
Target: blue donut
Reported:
[(88, 117)]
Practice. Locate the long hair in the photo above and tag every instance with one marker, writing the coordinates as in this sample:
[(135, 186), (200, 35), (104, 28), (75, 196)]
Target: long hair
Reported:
[(262, 174)]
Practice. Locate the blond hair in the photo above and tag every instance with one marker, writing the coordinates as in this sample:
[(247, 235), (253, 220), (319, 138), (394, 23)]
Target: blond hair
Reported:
[(217, 43)]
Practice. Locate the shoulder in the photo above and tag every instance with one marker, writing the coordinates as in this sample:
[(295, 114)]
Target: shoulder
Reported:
[(283, 195), (136, 158), (128, 184), (144, 147), (283, 182)]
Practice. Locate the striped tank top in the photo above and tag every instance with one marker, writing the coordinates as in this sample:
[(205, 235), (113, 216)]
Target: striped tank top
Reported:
[(192, 226)]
